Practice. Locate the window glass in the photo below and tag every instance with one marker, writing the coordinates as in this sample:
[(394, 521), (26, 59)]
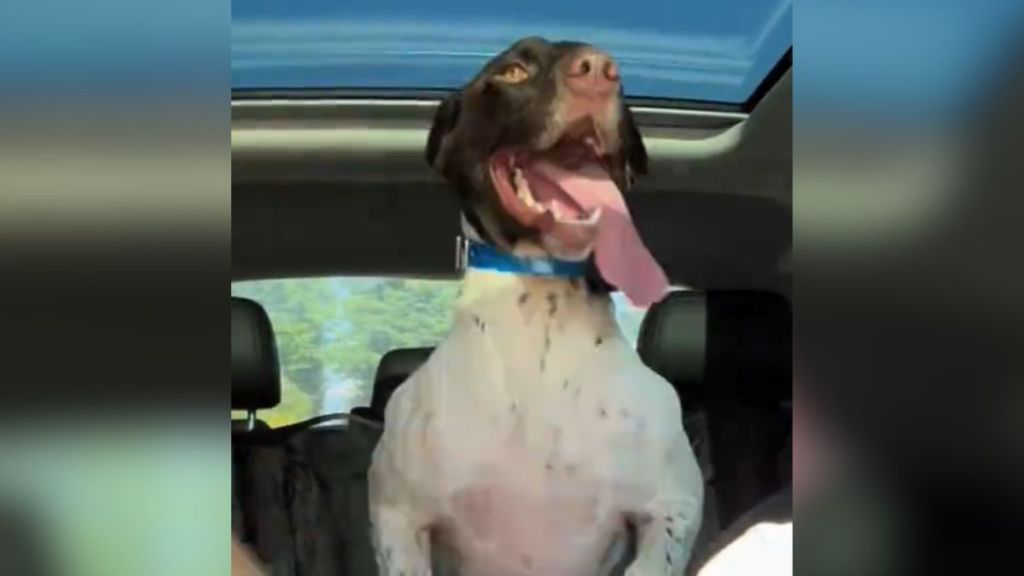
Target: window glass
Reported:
[(715, 51), (332, 332)]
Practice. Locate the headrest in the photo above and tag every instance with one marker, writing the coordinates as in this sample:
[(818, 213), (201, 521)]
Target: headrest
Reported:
[(255, 373), (394, 368), (673, 340), (736, 342)]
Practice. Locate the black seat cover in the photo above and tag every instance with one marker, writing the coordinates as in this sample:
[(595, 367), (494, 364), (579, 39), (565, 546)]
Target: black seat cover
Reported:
[(299, 492)]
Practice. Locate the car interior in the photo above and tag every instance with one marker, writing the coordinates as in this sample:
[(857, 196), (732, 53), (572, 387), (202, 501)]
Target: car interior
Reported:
[(333, 183)]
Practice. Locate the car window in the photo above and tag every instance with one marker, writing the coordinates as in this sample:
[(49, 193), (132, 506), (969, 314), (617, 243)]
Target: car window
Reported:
[(717, 51), (332, 332)]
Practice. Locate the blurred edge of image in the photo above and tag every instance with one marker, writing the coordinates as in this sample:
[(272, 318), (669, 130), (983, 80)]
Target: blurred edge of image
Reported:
[(907, 184), (115, 259)]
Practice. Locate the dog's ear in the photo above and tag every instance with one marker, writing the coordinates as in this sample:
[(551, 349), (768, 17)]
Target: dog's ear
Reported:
[(633, 145), (445, 118)]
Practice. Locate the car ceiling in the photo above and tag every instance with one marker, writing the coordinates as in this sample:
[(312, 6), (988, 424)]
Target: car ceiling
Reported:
[(716, 213)]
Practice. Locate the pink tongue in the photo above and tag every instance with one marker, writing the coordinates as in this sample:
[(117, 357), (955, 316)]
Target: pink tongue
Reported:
[(621, 256)]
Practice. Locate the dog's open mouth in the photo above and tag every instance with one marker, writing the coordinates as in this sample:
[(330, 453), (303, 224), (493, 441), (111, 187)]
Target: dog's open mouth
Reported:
[(558, 191), (568, 195)]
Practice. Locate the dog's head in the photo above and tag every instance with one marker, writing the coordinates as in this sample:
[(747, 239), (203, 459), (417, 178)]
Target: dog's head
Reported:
[(539, 146)]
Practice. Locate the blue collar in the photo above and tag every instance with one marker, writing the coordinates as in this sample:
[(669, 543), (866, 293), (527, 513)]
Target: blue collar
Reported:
[(486, 257)]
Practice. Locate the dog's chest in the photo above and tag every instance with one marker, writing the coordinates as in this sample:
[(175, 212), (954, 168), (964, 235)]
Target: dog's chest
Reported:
[(532, 436), (535, 479), (534, 496)]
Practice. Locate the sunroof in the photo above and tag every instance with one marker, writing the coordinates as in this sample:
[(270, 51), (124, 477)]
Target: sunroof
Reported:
[(709, 50)]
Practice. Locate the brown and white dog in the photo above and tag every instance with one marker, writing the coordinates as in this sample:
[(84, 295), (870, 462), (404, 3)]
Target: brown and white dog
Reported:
[(534, 440)]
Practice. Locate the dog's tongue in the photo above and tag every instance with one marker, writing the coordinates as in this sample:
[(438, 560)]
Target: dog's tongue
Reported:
[(621, 256)]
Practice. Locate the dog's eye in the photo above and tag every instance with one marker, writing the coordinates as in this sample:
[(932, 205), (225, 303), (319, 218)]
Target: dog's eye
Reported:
[(512, 74)]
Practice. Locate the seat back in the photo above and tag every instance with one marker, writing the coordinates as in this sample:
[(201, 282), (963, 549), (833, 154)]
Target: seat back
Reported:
[(728, 353), (394, 368), (299, 492)]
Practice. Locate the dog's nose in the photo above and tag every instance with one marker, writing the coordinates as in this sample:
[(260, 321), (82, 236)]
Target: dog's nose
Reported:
[(592, 72)]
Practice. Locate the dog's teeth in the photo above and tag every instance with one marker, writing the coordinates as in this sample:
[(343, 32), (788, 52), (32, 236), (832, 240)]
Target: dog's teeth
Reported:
[(519, 182), (527, 199), (523, 189), (592, 218), (522, 186)]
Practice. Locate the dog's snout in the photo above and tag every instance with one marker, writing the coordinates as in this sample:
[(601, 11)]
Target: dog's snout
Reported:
[(592, 72), (593, 62)]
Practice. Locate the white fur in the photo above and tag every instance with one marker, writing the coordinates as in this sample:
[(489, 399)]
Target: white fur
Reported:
[(529, 439)]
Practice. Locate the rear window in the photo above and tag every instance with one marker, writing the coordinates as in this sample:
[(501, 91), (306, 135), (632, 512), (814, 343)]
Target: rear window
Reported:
[(332, 332)]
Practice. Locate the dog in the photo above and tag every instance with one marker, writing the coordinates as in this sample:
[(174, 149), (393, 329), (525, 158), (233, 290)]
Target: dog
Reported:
[(534, 440)]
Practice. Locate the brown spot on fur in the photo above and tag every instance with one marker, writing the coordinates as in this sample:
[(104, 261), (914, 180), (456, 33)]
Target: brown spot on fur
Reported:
[(547, 347), (552, 303), (523, 298)]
